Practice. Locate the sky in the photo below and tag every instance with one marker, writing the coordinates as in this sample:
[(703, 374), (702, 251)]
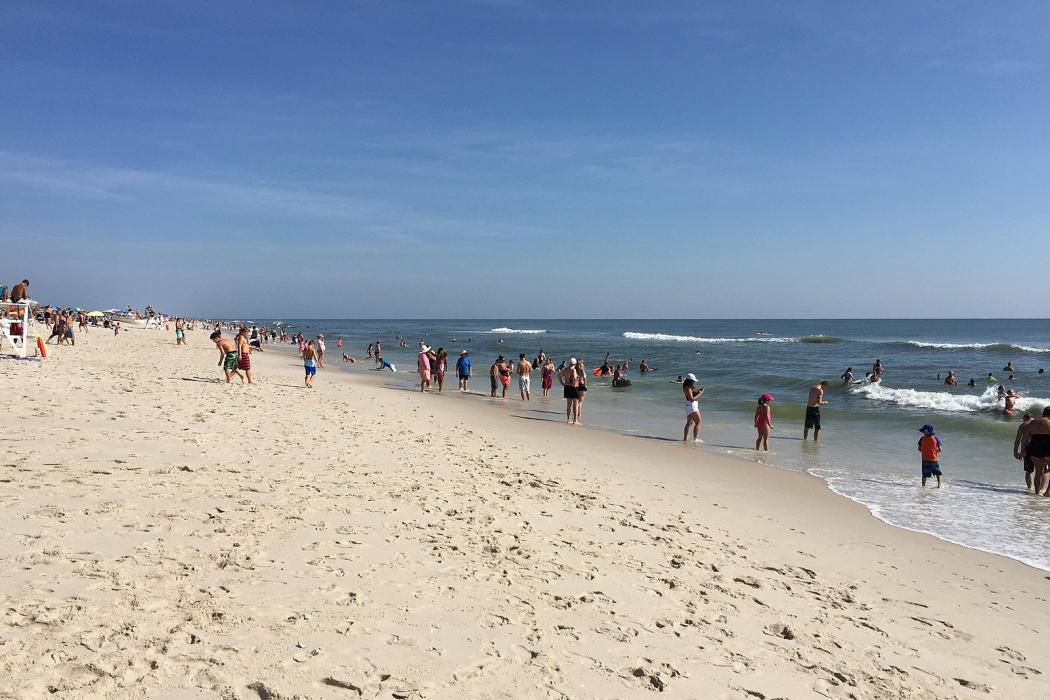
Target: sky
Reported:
[(528, 159)]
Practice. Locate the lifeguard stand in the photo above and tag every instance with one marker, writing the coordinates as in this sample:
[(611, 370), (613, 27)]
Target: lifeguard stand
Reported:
[(14, 325)]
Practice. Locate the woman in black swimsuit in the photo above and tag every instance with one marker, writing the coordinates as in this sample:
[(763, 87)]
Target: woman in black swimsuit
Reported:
[(1036, 438), (567, 377)]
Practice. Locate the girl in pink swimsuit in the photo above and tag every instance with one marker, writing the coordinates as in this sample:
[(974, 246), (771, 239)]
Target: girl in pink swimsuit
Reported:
[(763, 422)]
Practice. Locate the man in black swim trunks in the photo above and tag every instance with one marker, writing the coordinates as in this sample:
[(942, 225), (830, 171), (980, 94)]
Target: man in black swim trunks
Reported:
[(1021, 453), (813, 404)]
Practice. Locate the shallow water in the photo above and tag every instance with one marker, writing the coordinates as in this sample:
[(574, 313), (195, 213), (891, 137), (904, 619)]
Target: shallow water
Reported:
[(868, 447)]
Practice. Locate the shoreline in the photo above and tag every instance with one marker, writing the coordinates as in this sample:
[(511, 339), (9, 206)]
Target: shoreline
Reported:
[(361, 535), (513, 404)]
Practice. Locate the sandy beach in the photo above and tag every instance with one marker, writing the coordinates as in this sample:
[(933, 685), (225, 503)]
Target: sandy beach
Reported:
[(169, 536)]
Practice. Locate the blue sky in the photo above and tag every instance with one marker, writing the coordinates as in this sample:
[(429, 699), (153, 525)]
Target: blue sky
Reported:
[(528, 159)]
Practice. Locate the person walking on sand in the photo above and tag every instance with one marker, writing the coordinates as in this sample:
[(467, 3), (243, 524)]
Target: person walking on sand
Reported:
[(440, 366), (813, 404), (567, 378), (310, 364), (692, 394), (547, 376), (463, 369), (423, 367), (227, 356), (930, 448), (581, 389), (180, 332), (1036, 441), (244, 355), (524, 371), (1021, 452), (763, 422)]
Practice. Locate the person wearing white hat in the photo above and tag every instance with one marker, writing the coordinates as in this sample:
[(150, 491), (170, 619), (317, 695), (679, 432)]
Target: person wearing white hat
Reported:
[(692, 407), (423, 365), (567, 377)]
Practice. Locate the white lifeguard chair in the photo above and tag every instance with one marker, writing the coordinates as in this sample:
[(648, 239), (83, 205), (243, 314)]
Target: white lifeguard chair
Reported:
[(14, 325)]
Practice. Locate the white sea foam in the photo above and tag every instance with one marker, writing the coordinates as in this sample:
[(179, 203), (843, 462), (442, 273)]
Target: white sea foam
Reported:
[(665, 338), (943, 400), (511, 331), (976, 346)]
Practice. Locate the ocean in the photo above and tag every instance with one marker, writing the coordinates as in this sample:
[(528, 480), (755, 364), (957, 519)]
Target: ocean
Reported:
[(867, 450)]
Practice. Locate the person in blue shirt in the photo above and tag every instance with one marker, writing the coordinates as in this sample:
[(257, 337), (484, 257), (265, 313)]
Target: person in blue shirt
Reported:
[(463, 369)]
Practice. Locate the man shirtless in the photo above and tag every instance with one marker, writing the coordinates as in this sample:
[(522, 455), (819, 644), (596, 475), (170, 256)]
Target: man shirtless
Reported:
[(20, 291), (310, 363), (813, 404), (494, 371), (227, 355), (524, 377), (244, 355), (180, 331)]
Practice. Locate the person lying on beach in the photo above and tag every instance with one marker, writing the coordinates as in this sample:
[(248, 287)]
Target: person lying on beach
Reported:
[(227, 355)]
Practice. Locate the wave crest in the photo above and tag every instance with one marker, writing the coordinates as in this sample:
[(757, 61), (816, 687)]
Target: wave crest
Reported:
[(976, 346), (511, 331), (945, 401), (666, 338)]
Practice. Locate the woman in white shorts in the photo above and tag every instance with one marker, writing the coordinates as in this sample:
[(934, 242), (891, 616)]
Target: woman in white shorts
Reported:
[(692, 407)]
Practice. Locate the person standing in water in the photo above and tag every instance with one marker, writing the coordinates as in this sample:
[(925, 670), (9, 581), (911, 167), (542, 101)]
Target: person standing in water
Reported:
[(463, 369), (930, 448), (813, 404), (547, 376), (567, 378), (1036, 441), (847, 376), (1021, 453), (581, 389), (524, 370), (763, 422), (692, 407)]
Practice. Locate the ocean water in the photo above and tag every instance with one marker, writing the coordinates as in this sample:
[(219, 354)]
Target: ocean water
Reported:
[(867, 450)]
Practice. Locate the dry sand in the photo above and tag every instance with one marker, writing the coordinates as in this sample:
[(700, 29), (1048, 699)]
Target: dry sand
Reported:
[(168, 536)]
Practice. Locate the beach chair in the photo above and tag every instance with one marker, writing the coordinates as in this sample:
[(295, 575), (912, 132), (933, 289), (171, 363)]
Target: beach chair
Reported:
[(14, 325)]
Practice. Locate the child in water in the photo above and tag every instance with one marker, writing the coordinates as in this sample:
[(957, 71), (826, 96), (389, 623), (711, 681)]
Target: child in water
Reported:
[(930, 448)]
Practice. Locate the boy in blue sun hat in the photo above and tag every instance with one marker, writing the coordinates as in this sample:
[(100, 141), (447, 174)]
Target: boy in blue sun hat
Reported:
[(930, 448)]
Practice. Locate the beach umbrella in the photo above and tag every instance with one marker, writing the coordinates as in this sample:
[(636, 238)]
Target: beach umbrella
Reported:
[(95, 314)]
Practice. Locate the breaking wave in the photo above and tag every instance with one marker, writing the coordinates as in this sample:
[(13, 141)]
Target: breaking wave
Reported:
[(510, 331), (665, 338), (945, 401)]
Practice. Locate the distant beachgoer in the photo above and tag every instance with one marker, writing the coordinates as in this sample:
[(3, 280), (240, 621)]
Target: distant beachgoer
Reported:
[(1001, 392), (972, 382), (227, 355), (567, 377), (679, 380), (383, 364), (763, 422), (643, 367), (847, 376), (547, 376), (320, 350), (180, 332), (494, 371), (581, 389), (463, 369), (877, 369), (1010, 401), (368, 353), (349, 358), (524, 370), (1009, 367), (1036, 438), (423, 367), (440, 366), (951, 380), (505, 370), (339, 343), (20, 291), (692, 394), (310, 363), (813, 404), (1041, 370), (1020, 451), (930, 448), (991, 378)]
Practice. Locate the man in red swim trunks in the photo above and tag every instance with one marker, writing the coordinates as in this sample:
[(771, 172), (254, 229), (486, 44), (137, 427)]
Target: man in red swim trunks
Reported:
[(244, 354)]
